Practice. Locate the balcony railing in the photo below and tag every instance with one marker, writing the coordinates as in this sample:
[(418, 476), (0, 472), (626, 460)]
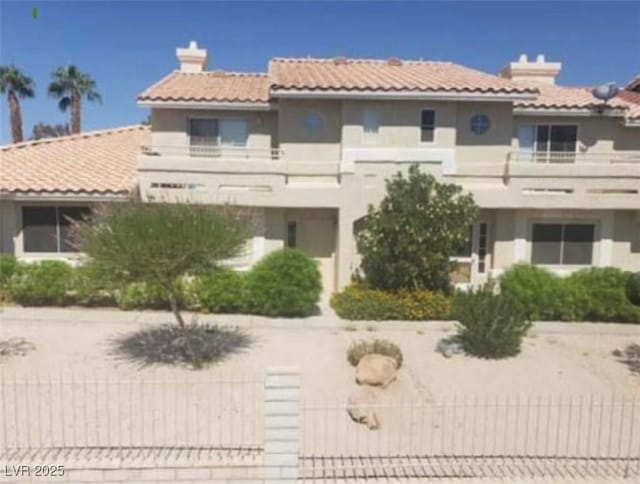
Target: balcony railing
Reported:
[(572, 157), (213, 151)]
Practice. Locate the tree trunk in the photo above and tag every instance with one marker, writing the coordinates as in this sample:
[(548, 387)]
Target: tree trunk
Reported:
[(174, 307), (15, 117), (75, 113)]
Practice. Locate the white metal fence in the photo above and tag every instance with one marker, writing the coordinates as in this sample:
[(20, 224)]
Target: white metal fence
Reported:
[(469, 435), (162, 417), (123, 414)]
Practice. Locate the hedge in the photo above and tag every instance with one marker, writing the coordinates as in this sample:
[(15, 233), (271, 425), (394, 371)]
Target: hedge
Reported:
[(591, 294), (359, 302), (285, 283)]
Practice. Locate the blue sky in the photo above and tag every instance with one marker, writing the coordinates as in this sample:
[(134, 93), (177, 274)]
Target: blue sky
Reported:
[(126, 46)]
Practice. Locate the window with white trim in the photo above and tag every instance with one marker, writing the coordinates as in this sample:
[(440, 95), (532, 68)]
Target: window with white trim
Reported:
[(370, 126), (427, 125), (562, 244), (218, 132), (548, 142), (46, 228)]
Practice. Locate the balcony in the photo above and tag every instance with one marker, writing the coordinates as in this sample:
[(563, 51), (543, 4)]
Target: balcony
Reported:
[(213, 151), (564, 157)]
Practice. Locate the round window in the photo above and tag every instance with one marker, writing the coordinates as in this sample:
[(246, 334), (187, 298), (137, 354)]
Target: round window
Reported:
[(480, 123), (313, 123)]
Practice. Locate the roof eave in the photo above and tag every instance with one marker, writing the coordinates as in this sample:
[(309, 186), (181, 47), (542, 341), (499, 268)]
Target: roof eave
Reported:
[(568, 111), (227, 105), (394, 95)]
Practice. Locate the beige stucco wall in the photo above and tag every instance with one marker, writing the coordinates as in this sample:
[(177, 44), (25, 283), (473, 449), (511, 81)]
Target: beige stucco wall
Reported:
[(626, 240), (297, 144), (169, 127), (8, 226), (491, 146), (399, 123)]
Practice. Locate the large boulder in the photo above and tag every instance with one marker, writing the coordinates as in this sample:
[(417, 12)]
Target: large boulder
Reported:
[(376, 370), (361, 408)]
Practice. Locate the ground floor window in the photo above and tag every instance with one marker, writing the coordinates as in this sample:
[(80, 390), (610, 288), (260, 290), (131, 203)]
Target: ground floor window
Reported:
[(292, 234), (46, 228), (562, 244)]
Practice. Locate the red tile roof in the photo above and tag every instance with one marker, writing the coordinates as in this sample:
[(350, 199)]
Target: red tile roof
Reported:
[(567, 97), (97, 162), (212, 86), (341, 74)]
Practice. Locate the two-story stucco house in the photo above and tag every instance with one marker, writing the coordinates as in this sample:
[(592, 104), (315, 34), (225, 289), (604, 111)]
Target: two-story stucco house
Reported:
[(309, 143)]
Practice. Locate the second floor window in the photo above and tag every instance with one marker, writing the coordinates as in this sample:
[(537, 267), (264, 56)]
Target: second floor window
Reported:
[(218, 132), (427, 125), (548, 142), (370, 126)]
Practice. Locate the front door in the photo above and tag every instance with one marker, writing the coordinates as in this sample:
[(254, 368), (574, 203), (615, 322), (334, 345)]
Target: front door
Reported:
[(316, 237)]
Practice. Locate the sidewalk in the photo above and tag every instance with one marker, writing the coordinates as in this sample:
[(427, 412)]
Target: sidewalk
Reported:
[(327, 319)]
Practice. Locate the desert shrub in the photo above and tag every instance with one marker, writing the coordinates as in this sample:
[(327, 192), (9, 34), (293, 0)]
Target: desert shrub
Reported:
[(42, 283), (284, 283), (491, 325), (222, 291), (358, 349), (540, 293), (93, 286), (359, 302), (8, 266), (144, 295), (193, 345), (598, 294), (632, 289), (156, 244)]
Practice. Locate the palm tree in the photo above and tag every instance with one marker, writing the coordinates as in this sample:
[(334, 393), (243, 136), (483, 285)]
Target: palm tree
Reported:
[(15, 84), (70, 85)]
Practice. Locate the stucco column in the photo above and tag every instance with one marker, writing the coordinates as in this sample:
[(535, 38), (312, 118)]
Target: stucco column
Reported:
[(345, 249), (281, 425), (606, 240), (520, 237)]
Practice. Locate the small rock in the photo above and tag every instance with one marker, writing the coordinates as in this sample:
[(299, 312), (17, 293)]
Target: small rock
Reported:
[(376, 370)]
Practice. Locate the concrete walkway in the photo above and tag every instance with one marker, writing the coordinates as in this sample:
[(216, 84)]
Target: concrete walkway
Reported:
[(327, 319)]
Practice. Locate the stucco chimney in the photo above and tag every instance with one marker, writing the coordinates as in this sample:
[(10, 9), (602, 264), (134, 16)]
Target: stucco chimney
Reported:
[(192, 59), (539, 71)]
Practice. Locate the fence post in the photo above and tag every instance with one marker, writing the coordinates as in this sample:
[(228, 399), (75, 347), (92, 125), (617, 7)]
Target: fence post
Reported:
[(281, 424)]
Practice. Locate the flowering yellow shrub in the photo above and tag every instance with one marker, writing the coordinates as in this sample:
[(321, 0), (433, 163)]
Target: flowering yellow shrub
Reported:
[(358, 302)]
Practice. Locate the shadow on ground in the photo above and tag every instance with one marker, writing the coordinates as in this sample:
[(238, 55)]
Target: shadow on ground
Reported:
[(194, 345), (630, 356)]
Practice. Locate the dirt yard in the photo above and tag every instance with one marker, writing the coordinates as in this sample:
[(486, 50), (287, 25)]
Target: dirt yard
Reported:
[(555, 358)]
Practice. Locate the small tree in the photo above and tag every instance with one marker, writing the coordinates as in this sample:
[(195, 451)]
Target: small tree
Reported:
[(158, 243), (408, 240)]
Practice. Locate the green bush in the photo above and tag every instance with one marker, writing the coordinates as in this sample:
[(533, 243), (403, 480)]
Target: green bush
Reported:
[(358, 302), (540, 293), (223, 291), (590, 294), (92, 285), (42, 283), (491, 325), (284, 283), (358, 349), (598, 294), (142, 295), (632, 289), (8, 266)]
